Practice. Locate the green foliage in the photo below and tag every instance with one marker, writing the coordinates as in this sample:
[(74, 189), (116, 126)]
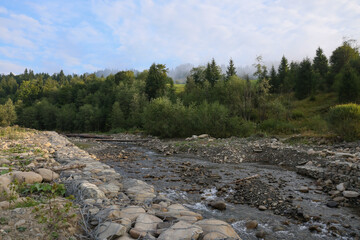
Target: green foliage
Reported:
[(7, 113), (156, 81), (340, 57), (282, 74), (117, 116), (231, 70), (349, 85), (212, 72), (305, 82), (344, 120), (165, 119), (276, 126), (43, 188)]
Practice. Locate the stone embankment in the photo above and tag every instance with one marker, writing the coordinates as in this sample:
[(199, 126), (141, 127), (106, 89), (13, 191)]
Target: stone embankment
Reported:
[(122, 209)]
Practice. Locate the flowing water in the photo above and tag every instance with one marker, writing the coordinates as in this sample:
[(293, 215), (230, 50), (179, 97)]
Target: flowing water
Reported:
[(175, 177)]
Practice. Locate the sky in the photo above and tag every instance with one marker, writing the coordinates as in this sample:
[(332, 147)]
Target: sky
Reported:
[(89, 35)]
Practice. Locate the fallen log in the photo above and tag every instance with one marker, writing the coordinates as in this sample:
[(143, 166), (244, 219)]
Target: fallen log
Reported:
[(67, 167), (80, 135), (247, 178), (122, 140)]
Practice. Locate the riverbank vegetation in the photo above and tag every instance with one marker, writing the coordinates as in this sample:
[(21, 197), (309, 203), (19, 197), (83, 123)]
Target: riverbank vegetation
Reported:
[(294, 98)]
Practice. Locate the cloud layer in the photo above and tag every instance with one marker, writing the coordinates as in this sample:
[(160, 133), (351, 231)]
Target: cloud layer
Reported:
[(83, 36)]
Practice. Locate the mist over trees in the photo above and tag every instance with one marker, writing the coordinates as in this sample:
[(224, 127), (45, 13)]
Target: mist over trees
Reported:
[(217, 100)]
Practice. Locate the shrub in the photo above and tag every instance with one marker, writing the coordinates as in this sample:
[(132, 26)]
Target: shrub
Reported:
[(345, 121), (275, 126), (165, 119), (241, 128)]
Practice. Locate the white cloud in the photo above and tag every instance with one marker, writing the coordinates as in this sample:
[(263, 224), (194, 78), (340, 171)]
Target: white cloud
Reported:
[(196, 31), (7, 67)]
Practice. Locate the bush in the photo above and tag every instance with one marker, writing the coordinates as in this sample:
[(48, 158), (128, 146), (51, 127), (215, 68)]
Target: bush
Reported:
[(165, 119), (275, 126), (345, 121), (241, 128), (211, 118)]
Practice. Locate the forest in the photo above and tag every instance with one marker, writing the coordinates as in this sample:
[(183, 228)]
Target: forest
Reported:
[(318, 95)]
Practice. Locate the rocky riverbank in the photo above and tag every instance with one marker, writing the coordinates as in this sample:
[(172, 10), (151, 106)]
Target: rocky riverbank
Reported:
[(109, 206), (258, 172)]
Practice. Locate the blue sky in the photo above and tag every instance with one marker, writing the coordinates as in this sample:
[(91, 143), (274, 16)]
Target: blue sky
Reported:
[(85, 36)]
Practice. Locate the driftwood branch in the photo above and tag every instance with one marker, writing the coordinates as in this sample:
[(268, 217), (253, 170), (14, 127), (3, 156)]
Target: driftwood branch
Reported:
[(247, 178)]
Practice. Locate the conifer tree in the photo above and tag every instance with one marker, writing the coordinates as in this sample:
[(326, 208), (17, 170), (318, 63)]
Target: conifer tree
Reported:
[(231, 71)]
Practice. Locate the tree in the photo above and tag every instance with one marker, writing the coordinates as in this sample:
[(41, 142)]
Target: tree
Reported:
[(212, 72), (7, 113), (124, 76), (117, 116), (231, 71), (282, 74), (156, 81), (340, 57), (349, 89), (320, 63), (198, 74), (304, 85), (273, 79)]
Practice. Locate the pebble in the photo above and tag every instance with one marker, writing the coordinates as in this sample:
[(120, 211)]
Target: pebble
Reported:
[(260, 234), (332, 204), (251, 224), (262, 208)]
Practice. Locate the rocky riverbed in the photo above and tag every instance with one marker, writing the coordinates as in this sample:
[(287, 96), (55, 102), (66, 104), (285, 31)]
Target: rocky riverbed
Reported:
[(264, 180), (108, 205)]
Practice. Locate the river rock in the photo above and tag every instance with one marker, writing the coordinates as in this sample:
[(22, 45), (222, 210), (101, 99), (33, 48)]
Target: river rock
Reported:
[(181, 231), (220, 205), (202, 136), (179, 212), (260, 234), (27, 177), (262, 208), (146, 223), (251, 224), (304, 189), (108, 230), (340, 187), (351, 194), (110, 213), (214, 225), (131, 212), (4, 186), (88, 190), (138, 190), (47, 174)]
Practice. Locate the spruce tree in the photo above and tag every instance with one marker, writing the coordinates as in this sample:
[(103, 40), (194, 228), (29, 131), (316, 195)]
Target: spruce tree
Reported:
[(304, 85), (282, 74), (156, 81), (231, 71), (273, 79)]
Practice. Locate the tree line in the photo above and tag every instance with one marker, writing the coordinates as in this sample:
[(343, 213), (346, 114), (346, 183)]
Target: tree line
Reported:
[(221, 104)]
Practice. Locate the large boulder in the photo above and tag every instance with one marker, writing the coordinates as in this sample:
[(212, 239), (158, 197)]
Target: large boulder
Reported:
[(146, 223), (27, 177), (109, 230), (47, 174), (181, 231), (131, 212), (88, 190), (179, 212), (138, 190), (221, 227), (110, 213)]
